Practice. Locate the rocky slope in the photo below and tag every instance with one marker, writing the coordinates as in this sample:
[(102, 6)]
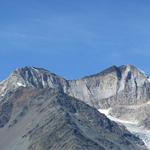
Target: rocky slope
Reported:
[(47, 119)]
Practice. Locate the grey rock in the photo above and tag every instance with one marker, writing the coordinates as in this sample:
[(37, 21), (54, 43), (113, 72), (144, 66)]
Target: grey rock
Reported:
[(125, 85), (124, 89), (52, 120)]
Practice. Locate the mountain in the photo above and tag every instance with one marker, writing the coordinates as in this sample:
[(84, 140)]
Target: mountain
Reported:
[(47, 119), (31, 77), (125, 85), (122, 93)]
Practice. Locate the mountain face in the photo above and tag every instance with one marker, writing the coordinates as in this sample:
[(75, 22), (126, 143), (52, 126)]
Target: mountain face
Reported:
[(125, 85), (123, 92), (113, 87), (31, 77), (47, 119)]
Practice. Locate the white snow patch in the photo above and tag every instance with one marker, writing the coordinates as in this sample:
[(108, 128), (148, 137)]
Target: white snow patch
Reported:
[(123, 121), (148, 79), (21, 84), (104, 111), (43, 82), (132, 126), (2, 95), (142, 133)]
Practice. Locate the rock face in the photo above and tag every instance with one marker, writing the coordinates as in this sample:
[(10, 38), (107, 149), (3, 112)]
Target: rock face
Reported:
[(47, 119), (125, 85), (31, 77), (116, 87)]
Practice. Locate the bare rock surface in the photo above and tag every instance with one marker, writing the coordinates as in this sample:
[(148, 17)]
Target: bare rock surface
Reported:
[(47, 119)]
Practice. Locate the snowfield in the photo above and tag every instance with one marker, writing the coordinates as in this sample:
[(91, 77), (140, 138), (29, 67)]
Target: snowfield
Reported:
[(133, 127)]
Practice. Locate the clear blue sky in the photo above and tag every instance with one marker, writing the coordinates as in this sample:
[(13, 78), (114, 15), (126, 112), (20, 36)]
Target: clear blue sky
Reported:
[(74, 38)]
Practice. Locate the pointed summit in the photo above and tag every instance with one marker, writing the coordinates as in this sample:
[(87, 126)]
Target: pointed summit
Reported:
[(31, 77), (131, 68), (29, 68), (37, 77), (104, 72)]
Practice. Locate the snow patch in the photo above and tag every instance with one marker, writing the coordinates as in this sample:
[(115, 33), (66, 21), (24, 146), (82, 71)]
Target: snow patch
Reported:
[(123, 121), (43, 82), (2, 95), (148, 79), (106, 112), (132, 126), (21, 84), (142, 133)]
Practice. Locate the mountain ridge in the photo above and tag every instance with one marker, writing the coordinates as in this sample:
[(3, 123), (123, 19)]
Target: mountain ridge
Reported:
[(42, 78), (119, 88)]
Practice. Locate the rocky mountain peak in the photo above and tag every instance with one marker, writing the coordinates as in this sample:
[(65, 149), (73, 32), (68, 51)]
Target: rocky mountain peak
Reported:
[(38, 77), (30, 77), (124, 85), (110, 85), (118, 71), (132, 69), (29, 72), (29, 69)]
